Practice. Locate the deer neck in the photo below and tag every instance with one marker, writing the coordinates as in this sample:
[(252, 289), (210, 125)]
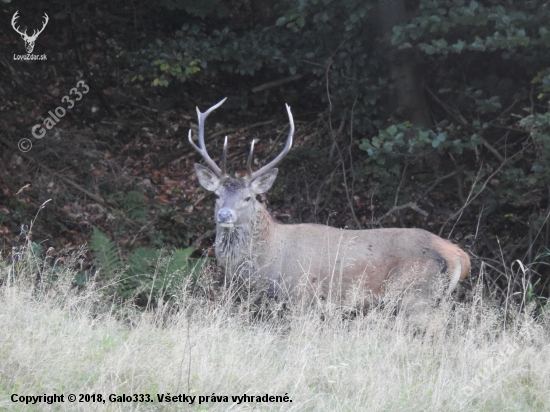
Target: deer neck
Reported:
[(237, 248)]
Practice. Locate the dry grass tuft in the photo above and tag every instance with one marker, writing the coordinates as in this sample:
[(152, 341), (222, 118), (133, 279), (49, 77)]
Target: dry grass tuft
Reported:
[(58, 340)]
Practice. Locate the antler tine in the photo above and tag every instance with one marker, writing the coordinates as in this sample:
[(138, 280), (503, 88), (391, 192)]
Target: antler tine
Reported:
[(249, 161), (224, 158), (201, 148), (281, 155), (13, 22), (47, 19)]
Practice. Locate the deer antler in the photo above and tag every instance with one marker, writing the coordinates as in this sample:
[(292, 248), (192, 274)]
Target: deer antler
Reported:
[(201, 148), (274, 162), (13, 19), (37, 32)]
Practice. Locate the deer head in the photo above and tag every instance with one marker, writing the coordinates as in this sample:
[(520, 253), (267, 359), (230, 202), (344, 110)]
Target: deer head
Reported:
[(235, 197), (29, 40)]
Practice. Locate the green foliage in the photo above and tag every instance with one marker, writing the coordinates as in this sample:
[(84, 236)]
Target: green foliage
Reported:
[(105, 253), (401, 140), (134, 206), (473, 26), (309, 38), (151, 275), (539, 127), (147, 274), (532, 297), (192, 50), (142, 261), (201, 9)]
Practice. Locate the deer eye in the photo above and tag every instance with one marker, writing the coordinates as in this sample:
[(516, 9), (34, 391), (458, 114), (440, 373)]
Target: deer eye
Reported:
[(246, 199)]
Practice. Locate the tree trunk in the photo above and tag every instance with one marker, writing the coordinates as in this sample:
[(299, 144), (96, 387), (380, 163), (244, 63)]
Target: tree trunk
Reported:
[(408, 101)]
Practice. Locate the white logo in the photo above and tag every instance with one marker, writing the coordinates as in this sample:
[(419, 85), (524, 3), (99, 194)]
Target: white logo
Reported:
[(29, 40)]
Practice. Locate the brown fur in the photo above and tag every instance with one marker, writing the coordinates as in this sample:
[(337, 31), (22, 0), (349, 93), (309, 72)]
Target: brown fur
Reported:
[(311, 261), (327, 263)]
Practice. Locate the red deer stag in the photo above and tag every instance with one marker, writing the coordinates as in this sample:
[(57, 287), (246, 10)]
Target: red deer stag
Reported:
[(284, 260)]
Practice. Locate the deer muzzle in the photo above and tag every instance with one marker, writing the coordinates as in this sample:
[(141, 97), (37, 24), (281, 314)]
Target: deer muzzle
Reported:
[(225, 218)]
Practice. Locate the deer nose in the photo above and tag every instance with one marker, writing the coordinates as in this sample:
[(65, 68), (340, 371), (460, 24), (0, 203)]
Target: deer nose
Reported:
[(225, 216)]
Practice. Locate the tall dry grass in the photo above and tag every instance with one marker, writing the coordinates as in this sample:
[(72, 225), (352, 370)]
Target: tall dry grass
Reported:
[(55, 339)]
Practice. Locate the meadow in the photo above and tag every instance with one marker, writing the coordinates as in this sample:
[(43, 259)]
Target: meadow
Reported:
[(206, 354)]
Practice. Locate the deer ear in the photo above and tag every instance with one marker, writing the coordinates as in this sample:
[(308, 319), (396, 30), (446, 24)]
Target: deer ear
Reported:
[(207, 178), (264, 182)]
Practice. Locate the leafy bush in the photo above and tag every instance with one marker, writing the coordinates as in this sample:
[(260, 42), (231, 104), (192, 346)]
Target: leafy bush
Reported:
[(147, 275)]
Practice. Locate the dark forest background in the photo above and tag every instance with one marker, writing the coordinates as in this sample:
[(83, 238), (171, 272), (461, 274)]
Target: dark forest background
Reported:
[(409, 113)]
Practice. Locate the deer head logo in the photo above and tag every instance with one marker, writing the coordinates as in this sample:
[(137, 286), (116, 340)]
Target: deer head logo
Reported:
[(29, 40)]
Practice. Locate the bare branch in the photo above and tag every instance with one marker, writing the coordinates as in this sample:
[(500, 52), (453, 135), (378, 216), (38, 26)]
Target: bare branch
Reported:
[(277, 83), (394, 209), (472, 197), (236, 129)]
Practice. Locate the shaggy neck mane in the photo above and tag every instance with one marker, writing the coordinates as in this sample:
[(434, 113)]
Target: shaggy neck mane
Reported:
[(236, 247)]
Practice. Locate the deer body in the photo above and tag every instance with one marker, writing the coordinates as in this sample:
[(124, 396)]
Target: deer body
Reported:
[(327, 262), (314, 261)]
